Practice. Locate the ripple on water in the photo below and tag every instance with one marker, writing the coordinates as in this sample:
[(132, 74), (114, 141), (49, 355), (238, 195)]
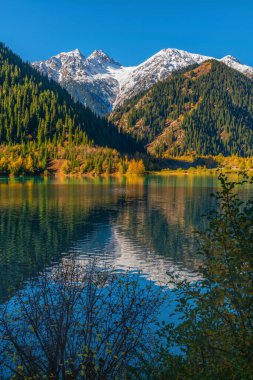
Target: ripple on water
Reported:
[(146, 226)]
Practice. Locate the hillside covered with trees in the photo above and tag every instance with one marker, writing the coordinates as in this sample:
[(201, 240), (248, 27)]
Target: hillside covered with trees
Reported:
[(204, 110), (39, 119)]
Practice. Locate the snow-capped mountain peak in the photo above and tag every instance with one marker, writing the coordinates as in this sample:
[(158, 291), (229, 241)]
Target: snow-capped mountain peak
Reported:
[(158, 67), (74, 54), (101, 57), (102, 83), (232, 62), (228, 58)]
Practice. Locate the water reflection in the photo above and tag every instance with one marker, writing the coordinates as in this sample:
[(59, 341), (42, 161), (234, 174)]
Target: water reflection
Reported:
[(146, 223)]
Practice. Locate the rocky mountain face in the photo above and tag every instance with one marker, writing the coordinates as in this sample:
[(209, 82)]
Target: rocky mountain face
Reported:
[(93, 81), (103, 84)]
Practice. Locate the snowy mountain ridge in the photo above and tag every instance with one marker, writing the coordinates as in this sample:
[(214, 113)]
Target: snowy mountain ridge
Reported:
[(102, 83)]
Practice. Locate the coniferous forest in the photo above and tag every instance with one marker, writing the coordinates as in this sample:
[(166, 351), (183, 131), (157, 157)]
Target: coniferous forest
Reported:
[(204, 110), (37, 117), (34, 108)]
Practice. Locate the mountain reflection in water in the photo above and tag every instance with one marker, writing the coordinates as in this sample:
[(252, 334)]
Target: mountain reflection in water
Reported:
[(145, 223)]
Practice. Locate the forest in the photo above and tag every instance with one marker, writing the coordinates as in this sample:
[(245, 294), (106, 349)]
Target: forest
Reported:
[(203, 113), (38, 119), (204, 110)]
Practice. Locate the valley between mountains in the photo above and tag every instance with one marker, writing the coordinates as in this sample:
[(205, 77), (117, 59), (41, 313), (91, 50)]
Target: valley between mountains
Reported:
[(93, 116)]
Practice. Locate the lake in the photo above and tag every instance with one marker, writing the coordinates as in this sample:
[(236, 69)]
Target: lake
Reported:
[(143, 223)]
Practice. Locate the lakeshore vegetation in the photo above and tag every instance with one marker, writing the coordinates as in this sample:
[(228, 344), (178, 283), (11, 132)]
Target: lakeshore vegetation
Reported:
[(199, 119)]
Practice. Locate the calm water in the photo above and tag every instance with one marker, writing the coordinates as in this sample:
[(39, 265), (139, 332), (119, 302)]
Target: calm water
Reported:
[(143, 223)]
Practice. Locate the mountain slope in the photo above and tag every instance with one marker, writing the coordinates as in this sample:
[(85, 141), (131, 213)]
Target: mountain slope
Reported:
[(103, 84), (232, 62), (33, 108), (205, 110), (94, 81)]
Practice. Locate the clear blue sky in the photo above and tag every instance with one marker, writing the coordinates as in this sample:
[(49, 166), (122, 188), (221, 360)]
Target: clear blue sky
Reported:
[(130, 31)]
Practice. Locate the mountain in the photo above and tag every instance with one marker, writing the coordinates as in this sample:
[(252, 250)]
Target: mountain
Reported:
[(104, 84), (93, 81), (232, 62), (205, 110), (34, 108)]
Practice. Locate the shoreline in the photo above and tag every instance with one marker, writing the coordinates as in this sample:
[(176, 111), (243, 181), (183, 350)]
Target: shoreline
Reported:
[(163, 172)]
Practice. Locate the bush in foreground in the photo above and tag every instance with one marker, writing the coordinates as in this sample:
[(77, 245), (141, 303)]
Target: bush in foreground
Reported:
[(77, 322), (215, 333)]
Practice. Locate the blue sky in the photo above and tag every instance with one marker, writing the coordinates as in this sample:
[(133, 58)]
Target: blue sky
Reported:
[(130, 31)]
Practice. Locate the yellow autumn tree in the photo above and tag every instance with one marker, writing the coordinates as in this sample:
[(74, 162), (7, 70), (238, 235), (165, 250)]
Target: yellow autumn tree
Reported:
[(136, 167), (15, 165), (3, 165), (29, 165)]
